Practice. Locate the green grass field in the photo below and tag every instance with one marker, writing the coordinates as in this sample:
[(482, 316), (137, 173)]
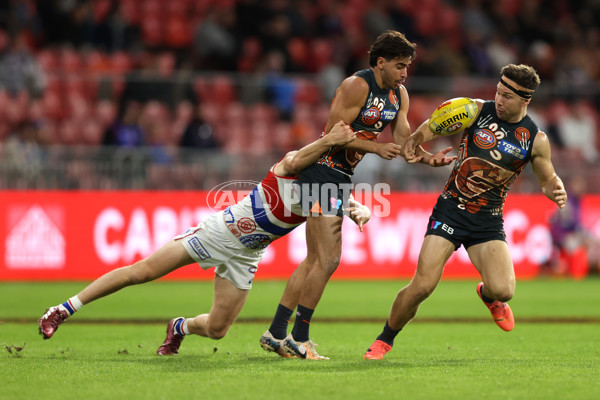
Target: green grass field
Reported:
[(452, 350)]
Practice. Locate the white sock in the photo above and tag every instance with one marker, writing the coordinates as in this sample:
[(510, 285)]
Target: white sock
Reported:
[(184, 327), (71, 305), (76, 303)]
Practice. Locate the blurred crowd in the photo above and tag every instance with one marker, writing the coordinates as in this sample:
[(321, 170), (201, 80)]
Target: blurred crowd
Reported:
[(256, 76), (575, 248)]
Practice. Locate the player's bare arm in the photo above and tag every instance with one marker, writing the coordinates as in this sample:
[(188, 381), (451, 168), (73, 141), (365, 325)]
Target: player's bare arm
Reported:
[(349, 99), (400, 126), (296, 161), (412, 150), (552, 186)]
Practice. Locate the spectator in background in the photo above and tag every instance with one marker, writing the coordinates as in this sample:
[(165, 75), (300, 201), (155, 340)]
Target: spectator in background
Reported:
[(160, 171), (330, 77), (126, 131), (378, 19), (24, 153), (214, 46), (280, 89), (578, 130), (199, 134), (250, 16), (53, 19), (155, 123), (19, 71), (572, 243), (117, 29), (158, 79), (500, 51)]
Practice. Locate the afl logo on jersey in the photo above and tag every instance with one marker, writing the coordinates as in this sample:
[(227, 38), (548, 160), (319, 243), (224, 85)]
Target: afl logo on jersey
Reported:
[(484, 138), (370, 116)]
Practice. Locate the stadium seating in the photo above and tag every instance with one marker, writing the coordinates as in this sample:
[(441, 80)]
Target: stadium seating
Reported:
[(85, 82)]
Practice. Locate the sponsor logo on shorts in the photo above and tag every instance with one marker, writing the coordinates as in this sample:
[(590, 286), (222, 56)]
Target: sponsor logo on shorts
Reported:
[(509, 148), (335, 203), (198, 248), (252, 270), (436, 224), (234, 230), (256, 241), (246, 225)]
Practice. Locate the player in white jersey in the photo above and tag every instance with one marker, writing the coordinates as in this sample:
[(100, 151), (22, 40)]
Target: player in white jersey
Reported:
[(270, 211), (233, 241)]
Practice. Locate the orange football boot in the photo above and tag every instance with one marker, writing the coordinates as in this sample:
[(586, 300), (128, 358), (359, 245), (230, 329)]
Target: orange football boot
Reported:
[(377, 350), (501, 312)]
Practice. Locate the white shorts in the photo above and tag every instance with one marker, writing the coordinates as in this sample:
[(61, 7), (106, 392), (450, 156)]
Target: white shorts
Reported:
[(211, 244)]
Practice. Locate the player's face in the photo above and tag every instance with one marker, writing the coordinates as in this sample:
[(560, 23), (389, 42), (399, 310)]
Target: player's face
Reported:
[(509, 106), (394, 71)]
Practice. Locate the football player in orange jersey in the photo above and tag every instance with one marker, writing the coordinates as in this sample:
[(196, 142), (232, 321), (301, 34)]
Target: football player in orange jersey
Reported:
[(494, 150), (368, 101)]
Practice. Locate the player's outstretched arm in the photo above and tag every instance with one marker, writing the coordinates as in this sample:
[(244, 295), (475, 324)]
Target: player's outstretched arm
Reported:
[(552, 186), (414, 153), (296, 161)]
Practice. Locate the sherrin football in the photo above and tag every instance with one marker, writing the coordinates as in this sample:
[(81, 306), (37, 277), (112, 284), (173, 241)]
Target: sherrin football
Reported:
[(452, 116)]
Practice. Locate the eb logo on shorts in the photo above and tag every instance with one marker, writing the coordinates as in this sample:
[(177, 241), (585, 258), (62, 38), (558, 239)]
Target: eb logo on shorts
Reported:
[(198, 248), (436, 224)]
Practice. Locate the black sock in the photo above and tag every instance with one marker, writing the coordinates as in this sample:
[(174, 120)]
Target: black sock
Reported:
[(484, 297), (302, 324), (388, 334), (280, 322)]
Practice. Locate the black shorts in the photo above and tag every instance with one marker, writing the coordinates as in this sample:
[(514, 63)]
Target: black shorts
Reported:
[(461, 227), (323, 190)]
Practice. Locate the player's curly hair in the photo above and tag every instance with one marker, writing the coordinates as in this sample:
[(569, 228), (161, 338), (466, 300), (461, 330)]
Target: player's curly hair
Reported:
[(391, 44), (522, 74)]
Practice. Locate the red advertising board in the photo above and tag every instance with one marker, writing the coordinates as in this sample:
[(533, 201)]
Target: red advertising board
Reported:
[(73, 235)]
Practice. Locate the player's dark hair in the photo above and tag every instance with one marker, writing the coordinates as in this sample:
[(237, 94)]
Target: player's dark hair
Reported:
[(389, 45), (522, 74)]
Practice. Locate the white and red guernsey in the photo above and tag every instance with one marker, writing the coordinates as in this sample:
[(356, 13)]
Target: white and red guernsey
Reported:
[(270, 211)]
